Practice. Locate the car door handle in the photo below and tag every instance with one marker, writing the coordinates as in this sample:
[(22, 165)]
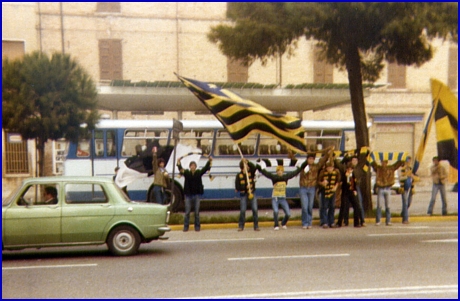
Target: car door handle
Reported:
[(106, 205)]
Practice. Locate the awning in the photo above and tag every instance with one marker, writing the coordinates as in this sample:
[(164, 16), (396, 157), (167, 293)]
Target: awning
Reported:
[(150, 99)]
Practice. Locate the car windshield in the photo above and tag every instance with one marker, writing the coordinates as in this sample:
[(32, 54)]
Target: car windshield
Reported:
[(7, 200)]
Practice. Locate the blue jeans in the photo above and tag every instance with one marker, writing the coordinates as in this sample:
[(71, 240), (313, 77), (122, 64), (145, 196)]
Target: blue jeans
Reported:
[(159, 193), (188, 207), (276, 203), (406, 197), (307, 197), (327, 210), (384, 192), (434, 192), (243, 207)]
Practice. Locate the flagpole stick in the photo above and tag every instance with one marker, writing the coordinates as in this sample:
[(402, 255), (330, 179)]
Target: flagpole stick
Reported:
[(250, 195)]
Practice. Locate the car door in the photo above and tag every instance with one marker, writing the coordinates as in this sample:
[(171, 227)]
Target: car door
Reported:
[(29, 221), (86, 211)]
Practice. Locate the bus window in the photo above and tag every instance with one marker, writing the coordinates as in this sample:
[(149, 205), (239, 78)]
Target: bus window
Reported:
[(321, 139), (271, 146), (197, 139), (99, 143), (83, 148), (145, 138), (226, 146), (110, 144)]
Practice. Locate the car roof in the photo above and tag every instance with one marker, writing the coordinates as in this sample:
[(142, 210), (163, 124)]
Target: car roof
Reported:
[(69, 179)]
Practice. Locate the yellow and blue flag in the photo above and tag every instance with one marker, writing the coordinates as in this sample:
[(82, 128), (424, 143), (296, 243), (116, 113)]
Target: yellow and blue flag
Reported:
[(241, 116), (445, 115), (446, 122)]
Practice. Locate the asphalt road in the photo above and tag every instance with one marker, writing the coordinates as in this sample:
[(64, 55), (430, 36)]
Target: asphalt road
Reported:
[(419, 260)]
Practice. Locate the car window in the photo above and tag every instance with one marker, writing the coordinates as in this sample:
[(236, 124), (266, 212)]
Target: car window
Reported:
[(81, 193), (39, 194)]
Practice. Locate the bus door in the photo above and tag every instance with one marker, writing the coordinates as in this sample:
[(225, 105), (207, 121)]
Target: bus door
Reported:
[(105, 154)]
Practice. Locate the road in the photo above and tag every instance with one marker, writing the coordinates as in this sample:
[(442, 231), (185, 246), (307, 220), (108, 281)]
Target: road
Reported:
[(419, 260)]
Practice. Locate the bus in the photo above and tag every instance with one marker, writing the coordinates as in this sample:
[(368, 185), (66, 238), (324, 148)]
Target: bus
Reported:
[(112, 142)]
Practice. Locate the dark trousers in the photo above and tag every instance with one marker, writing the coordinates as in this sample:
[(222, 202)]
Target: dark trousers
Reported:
[(347, 198)]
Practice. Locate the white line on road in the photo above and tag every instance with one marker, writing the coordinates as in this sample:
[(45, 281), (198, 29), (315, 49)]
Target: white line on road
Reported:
[(387, 291), (209, 240), (289, 257), (50, 266), (455, 240), (412, 233)]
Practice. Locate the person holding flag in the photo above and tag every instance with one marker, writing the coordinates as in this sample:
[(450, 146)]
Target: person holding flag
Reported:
[(280, 180), (439, 176), (246, 190), (193, 189), (406, 180)]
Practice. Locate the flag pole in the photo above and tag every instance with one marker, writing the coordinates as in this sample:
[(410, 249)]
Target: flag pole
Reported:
[(250, 195)]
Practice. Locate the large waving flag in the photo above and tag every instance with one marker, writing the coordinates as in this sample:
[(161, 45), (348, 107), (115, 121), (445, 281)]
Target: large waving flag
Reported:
[(241, 116), (445, 114), (446, 121)]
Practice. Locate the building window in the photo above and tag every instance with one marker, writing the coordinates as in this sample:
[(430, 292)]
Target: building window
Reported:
[(236, 72), (396, 76), (322, 71), (12, 50), (108, 7), (110, 59), (16, 155), (452, 80)]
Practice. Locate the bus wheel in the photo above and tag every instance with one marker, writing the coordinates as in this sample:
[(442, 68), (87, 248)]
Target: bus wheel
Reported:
[(178, 204)]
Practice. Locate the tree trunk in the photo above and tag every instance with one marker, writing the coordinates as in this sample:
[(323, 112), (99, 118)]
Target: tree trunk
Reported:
[(353, 65), (41, 157)]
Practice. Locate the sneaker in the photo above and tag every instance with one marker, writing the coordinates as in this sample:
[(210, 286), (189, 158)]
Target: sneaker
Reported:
[(240, 229), (284, 227), (308, 227), (333, 226), (389, 224), (325, 226), (256, 229), (363, 225), (405, 222), (377, 224), (304, 227), (185, 230), (276, 228)]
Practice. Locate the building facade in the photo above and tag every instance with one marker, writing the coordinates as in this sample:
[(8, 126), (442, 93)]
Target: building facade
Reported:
[(150, 41)]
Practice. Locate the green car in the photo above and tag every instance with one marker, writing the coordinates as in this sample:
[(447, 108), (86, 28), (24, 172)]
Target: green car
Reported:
[(73, 211)]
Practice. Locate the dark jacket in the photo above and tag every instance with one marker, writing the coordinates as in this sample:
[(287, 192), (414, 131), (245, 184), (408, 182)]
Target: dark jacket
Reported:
[(193, 184), (241, 183)]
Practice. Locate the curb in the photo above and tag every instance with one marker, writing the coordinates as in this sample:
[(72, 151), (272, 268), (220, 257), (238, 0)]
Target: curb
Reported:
[(369, 221)]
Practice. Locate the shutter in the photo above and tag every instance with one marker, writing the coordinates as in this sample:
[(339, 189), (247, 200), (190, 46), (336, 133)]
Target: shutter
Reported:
[(110, 59), (397, 76), (452, 79), (108, 7), (237, 72)]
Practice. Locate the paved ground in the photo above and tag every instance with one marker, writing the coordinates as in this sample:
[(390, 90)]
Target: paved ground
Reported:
[(417, 211)]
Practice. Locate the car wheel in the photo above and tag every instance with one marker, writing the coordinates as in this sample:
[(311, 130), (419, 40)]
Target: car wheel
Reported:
[(123, 241)]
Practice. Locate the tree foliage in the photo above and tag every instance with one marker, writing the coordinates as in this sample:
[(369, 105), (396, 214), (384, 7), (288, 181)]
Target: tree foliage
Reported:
[(394, 32), (356, 37), (47, 98)]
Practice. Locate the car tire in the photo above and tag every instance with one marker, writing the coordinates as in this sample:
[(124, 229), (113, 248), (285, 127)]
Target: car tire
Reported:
[(123, 241)]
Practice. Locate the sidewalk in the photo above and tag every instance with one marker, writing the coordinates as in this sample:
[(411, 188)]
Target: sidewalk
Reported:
[(417, 212)]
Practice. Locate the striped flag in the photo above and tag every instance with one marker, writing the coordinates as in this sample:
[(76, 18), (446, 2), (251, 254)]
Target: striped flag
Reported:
[(445, 114), (446, 121), (389, 156), (241, 116)]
